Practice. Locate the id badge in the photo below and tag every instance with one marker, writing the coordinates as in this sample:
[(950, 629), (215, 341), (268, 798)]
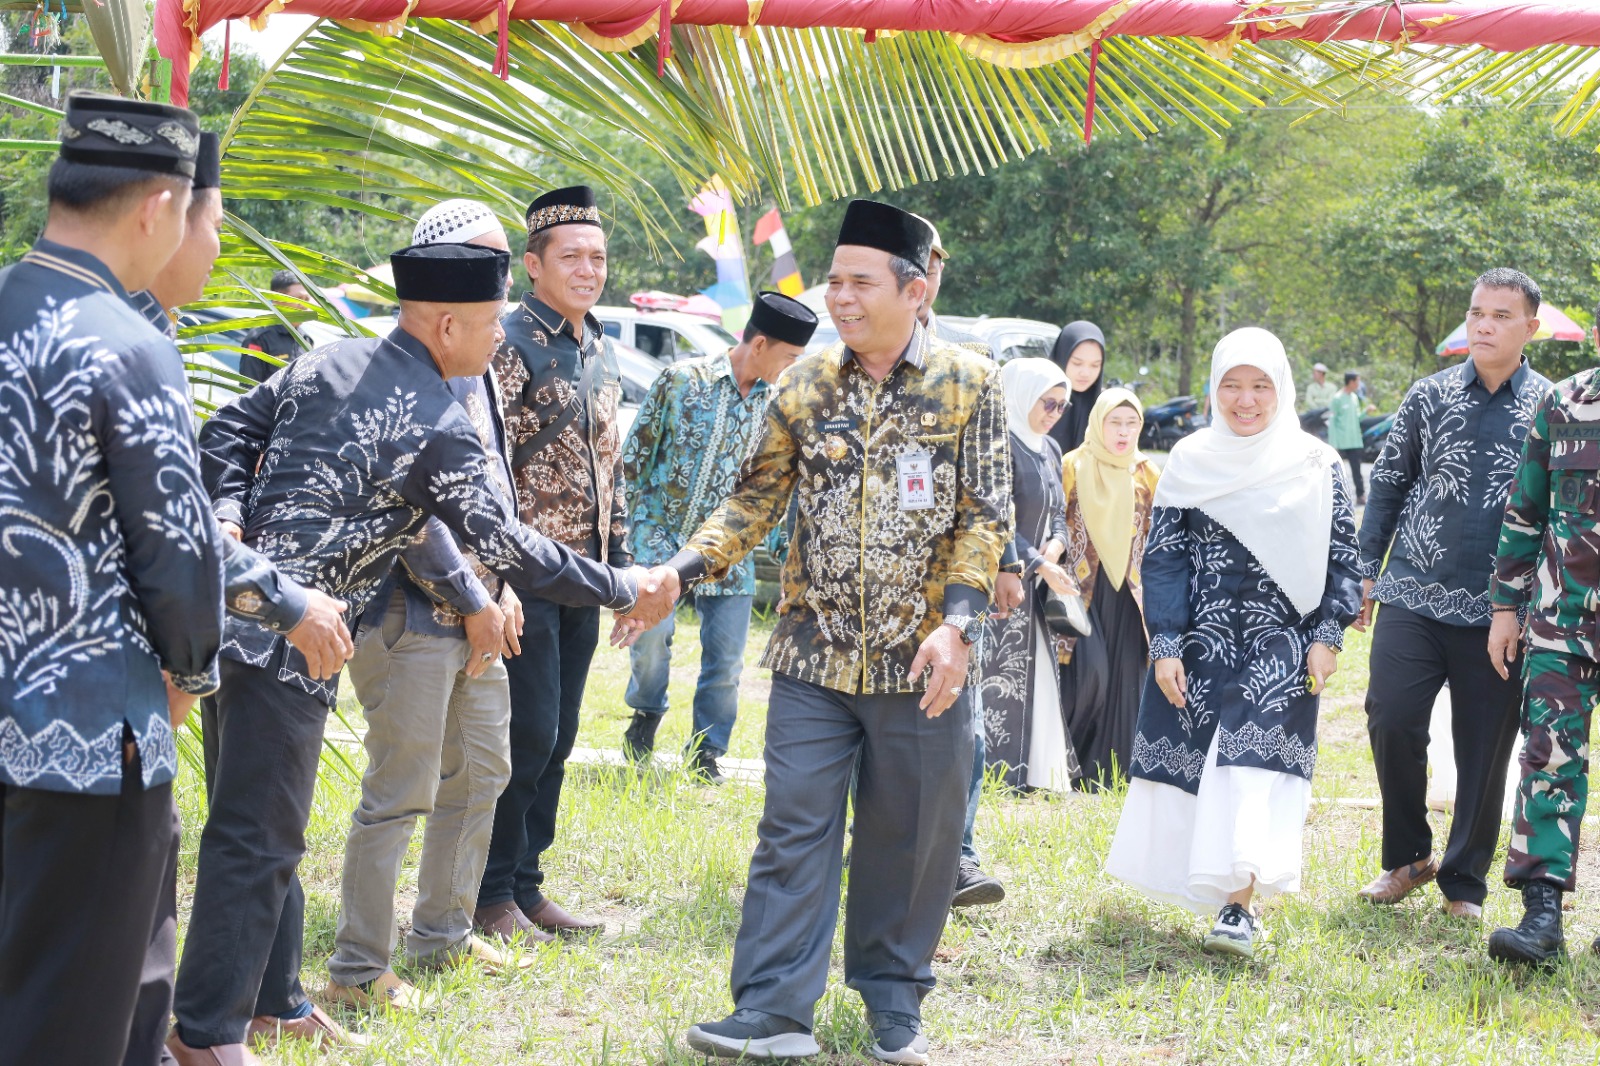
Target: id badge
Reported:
[(915, 479)]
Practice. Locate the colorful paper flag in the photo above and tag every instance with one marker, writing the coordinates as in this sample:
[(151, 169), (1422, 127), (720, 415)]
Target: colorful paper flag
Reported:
[(785, 269), (723, 244)]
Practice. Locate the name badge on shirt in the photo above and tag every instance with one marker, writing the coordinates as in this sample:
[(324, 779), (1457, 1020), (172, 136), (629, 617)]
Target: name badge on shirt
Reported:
[(915, 478)]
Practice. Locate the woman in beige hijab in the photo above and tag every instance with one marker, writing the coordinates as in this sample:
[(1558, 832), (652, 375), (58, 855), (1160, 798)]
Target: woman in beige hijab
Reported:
[(1109, 485)]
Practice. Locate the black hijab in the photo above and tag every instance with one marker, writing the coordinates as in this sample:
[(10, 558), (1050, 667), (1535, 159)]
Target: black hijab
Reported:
[(1074, 423)]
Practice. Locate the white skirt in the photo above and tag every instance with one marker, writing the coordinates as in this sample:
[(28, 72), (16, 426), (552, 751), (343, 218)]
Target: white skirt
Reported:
[(1197, 850), (1049, 765)]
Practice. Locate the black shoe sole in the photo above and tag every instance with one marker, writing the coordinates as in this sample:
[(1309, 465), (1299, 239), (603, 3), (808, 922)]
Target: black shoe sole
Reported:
[(983, 894), (1506, 946)]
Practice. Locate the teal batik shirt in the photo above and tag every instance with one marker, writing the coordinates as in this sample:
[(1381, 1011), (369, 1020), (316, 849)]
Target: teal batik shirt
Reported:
[(682, 459)]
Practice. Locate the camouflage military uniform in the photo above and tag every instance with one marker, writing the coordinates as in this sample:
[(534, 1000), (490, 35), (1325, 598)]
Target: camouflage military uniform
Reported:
[(1549, 562)]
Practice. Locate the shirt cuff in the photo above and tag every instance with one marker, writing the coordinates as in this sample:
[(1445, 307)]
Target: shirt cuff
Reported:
[(197, 684), (229, 511), (627, 593), (289, 607), (690, 565), (1329, 632), (964, 601), (1165, 646)]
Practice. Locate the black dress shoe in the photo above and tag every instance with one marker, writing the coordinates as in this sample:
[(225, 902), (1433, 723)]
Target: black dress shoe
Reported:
[(974, 888), (1537, 939), (639, 742)]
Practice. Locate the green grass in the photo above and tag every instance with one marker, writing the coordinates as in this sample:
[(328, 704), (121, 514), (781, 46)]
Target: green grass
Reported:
[(1070, 969)]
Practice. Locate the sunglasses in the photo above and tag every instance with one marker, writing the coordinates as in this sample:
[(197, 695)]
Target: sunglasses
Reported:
[(1054, 407)]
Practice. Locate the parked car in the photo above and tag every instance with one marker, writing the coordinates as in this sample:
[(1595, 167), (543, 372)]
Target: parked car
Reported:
[(1011, 338), (666, 335)]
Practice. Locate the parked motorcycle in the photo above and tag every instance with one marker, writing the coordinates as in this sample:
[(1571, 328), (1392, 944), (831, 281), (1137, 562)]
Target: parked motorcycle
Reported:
[(1165, 424), (1374, 430)]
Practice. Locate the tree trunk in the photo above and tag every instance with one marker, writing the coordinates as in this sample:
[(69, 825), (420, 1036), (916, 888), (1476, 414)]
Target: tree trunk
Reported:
[(1187, 325)]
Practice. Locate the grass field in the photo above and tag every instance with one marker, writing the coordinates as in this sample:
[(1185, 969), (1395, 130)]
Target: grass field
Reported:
[(1069, 969)]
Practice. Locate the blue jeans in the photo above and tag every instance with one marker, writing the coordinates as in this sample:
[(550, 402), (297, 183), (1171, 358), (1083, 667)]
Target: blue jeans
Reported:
[(724, 628)]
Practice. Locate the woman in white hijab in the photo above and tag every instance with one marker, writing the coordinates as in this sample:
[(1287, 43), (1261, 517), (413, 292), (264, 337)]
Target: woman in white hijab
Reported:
[(1026, 735), (1249, 582)]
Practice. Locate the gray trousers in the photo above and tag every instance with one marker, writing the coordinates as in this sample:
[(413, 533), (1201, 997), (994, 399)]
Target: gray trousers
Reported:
[(437, 748), (910, 805)]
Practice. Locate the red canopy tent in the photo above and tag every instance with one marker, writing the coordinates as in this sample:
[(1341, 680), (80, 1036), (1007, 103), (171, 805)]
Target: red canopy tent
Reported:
[(1008, 32)]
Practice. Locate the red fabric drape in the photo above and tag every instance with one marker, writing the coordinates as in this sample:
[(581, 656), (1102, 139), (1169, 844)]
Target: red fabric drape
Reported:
[(1508, 27)]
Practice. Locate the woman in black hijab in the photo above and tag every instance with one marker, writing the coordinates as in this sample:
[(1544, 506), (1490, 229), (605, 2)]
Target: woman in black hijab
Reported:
[(1081, 351)]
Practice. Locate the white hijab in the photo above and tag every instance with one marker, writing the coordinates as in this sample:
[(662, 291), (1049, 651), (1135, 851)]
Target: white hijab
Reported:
[(1274, 490), (1023, 381)]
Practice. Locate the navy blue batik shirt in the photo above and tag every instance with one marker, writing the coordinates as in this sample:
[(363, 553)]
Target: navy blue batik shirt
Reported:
[(333, 465), (111, 571), (1438, 491)]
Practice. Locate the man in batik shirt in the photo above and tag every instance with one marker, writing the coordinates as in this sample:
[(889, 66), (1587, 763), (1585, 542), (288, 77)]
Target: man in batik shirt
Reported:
[(560, 387), (682, 458), (1428, 538), (1548, 568), (894, 446)]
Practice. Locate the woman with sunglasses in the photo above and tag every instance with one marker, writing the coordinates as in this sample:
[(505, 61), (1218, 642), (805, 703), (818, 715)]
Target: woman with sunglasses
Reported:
[(1025, 735), (1110, 486)]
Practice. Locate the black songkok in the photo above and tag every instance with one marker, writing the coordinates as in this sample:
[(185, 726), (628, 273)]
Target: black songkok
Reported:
[(208, 162), (870, 224), (109, 131), (450, 273), (783, 318), (561, 207)]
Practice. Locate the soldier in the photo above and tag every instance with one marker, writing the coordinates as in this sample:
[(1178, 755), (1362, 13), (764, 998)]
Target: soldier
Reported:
[(1547, 569), (894, 446)]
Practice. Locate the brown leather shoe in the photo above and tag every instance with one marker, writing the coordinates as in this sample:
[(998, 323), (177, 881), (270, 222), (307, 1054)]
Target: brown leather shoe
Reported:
[(316, 1027), (217, 1055), (504, 923), (1392, 886), (1460, 908), (548, 915)]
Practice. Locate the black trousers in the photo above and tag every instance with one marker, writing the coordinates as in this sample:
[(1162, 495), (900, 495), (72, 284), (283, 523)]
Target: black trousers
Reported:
[(547, 681), (241, 957), (87, 924), (1412, 657), (1353, 457), (911, 800)]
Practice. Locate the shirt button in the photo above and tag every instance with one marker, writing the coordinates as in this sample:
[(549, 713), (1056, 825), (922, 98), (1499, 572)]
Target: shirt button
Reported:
[(873, 484)]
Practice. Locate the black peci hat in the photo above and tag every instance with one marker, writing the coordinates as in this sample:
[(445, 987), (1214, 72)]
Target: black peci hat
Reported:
[(870, 224), (450, 273), (561, 207), (109, 131), (783, 318), (208, 162)]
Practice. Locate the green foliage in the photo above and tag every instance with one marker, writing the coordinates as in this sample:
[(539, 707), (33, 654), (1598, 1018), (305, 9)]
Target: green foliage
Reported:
[(1482, 189)]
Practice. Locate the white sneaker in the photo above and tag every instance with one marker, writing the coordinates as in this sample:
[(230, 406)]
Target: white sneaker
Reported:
[(1235, 933)]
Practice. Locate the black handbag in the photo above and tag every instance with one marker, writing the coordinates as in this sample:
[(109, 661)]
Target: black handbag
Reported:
[(1066, 616)]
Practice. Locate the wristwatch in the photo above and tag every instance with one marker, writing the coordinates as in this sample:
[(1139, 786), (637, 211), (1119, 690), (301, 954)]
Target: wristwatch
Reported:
[(968, 625)]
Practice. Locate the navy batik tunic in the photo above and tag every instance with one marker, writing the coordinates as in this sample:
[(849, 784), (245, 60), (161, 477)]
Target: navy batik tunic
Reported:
[(1243, 645)]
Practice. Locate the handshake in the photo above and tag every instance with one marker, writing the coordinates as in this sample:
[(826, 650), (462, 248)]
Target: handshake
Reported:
[(658, 593)]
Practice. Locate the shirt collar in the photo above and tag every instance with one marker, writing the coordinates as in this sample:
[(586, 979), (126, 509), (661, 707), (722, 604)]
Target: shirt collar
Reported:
[(554, 323), (144, 301), (915, 353), (75, 263), (1468, 372), (414, 348)]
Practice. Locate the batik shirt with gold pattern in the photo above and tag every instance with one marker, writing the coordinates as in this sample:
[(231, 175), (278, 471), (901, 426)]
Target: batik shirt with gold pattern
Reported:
[(572, 489), (875, 564)]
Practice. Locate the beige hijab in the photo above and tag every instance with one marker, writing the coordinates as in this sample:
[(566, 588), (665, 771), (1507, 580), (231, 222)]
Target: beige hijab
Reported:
[(1105, 486)]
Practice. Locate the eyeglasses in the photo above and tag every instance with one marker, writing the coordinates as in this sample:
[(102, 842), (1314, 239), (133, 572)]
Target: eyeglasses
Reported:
[(1053, 407)]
